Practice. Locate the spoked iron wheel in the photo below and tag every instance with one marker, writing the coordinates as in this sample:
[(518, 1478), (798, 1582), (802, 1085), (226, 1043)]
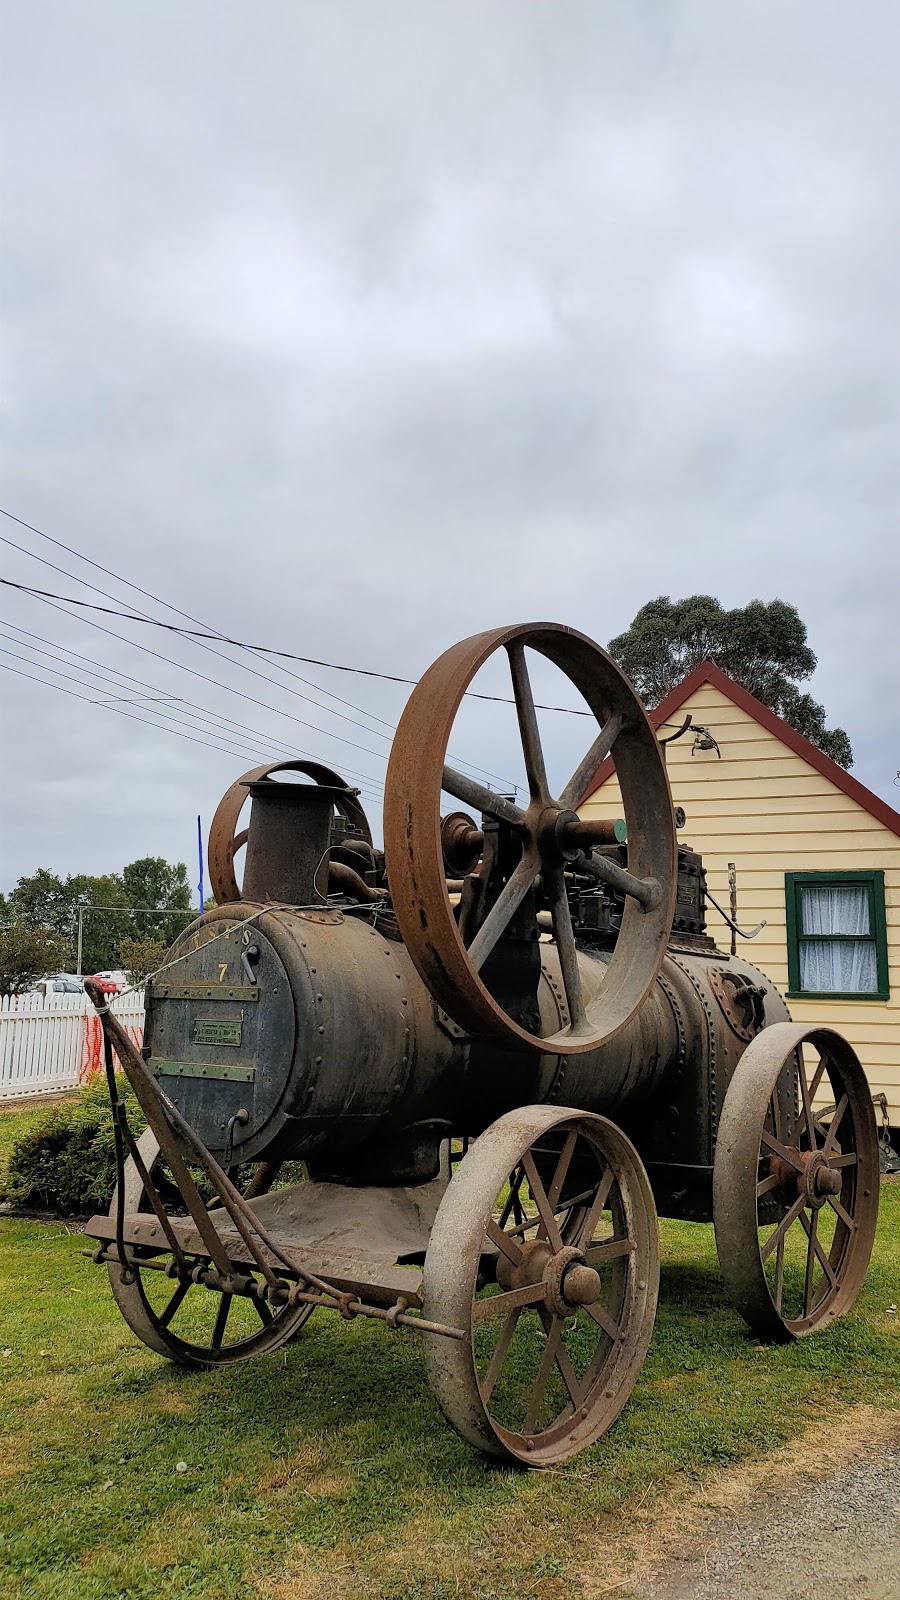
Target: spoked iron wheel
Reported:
[(182, 1318), (795, 1191), (545, 1251), (451, 956)]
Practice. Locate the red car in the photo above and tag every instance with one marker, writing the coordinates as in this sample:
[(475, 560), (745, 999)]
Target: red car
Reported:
[(108, 985)]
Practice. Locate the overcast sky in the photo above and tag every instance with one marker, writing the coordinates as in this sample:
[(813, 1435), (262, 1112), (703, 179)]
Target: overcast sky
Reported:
[(356, 328)]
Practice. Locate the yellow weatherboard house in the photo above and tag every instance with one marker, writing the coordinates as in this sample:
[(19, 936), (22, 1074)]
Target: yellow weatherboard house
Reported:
[(816, 857)]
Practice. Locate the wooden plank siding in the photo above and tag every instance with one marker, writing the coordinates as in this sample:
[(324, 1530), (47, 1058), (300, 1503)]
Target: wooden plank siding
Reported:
[(769, 811)]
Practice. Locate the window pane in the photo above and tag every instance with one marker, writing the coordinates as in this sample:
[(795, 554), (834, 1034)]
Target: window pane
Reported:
[(837, 968), (841, 908)]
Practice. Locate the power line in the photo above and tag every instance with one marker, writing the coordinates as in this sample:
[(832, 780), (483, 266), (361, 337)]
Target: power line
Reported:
[(157, 600), (138, 618), (245, 755), (228, 745), (198, 639), (132, 718), (49, 598), (182, 667), (263, 649), (191, 708)]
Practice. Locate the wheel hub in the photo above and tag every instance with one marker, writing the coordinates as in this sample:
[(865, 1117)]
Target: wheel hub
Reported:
[(818, 1180), (568, 1282)]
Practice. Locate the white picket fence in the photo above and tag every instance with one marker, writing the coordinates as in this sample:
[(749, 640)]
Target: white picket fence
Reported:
[(56, 1043)]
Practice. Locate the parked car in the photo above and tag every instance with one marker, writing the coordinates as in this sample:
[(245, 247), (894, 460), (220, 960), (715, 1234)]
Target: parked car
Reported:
[(111, 982), (58, 983)]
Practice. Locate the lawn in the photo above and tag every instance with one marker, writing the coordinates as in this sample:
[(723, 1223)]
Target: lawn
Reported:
[(326, 1470)]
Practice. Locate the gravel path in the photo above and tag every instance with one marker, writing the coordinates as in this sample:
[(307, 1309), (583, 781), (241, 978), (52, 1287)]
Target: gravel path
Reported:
[(839, 1538)]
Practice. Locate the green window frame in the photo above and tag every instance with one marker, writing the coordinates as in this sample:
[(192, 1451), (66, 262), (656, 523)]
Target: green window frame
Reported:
[(873, 882)]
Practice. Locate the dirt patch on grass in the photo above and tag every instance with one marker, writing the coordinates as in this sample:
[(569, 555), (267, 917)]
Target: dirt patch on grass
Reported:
[(654, 1533), (172, 1405), (613, 1552)]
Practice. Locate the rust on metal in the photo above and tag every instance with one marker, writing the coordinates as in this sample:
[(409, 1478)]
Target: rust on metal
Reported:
[(418, 773), (777, 1174), (447, 1040), (225, 841)]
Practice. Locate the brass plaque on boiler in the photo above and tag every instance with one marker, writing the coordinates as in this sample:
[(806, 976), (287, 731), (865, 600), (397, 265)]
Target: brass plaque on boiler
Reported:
[(217, 1033)]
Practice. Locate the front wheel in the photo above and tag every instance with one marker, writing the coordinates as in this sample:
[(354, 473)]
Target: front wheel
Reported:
[(179, 1317), (545, 1252)]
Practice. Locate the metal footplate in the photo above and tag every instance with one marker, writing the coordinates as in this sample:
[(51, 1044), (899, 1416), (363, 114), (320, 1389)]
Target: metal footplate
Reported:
[(359, 1239)]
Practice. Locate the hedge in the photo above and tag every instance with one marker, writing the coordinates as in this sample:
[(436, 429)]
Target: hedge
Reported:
[(66, 1161)]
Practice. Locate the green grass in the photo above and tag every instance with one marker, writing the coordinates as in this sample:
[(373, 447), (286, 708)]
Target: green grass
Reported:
[(326, 1470)]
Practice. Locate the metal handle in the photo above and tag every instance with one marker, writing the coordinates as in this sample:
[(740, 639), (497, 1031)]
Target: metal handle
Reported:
[(240, 1118)]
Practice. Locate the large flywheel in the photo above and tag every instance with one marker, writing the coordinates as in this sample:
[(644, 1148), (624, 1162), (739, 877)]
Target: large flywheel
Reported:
[(450, 950)]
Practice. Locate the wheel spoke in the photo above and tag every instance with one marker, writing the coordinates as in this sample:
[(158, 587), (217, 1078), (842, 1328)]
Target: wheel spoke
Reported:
[(218, 1332), (512, 1201), (846, 1159), (495, 1305), (506, 1245), (562, 1167), (507, 903), (815, 1246), (841, 1212), (175, 1302), (811, 1225), (601, 1316), (539, 1195), (817, 1078), (776, 1114), (806, 1101), (608, 1250), (480, 797), (586, 1232), (496, 1362), (645, 890), (565, 944), (573, 793), (559, 1211), (787, 1152), (789, 1217), (528, 723), (569, 1376), (840, 1108), (548, 1360), (577, 1388), (779, 1274), (263, 1312), (766, 1184)]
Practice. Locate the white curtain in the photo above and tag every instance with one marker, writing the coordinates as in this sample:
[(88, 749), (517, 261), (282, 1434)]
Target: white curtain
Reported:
[(833, 966)]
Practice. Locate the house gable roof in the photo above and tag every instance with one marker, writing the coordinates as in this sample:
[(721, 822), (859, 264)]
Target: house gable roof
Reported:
[(708, 672)]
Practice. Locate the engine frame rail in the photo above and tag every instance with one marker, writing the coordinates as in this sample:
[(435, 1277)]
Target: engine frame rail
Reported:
[(346, 1303)]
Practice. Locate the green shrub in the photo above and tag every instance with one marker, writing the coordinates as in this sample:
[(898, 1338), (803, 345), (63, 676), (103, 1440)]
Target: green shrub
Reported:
[(66, 1161)]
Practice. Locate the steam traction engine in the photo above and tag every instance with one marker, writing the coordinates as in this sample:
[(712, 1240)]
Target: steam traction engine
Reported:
[(499, 1048)]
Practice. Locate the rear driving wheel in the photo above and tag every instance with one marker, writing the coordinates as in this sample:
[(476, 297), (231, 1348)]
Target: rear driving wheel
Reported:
[(795, 1189)]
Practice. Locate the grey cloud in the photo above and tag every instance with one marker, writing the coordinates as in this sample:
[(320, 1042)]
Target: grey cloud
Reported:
[(358, 328)]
